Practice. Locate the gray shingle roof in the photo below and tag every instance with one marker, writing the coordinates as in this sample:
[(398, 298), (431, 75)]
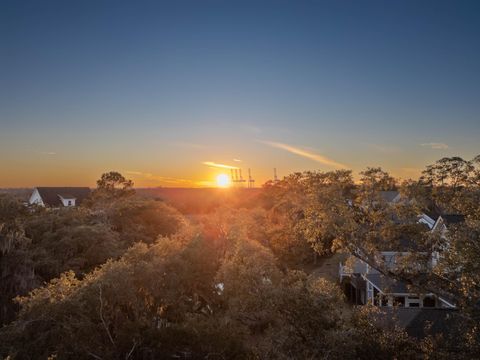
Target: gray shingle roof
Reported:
[(453, 218), (389, 196), (387, 285), (421, 322)]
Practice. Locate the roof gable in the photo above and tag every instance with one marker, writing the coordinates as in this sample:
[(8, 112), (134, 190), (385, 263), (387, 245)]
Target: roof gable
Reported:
[(390, 196), (449, 219)]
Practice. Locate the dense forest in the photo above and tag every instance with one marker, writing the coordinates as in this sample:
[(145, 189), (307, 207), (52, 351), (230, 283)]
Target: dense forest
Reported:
[(128, 276)]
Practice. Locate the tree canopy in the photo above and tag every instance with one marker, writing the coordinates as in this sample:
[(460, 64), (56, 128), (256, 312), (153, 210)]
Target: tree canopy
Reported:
[(127, 276)]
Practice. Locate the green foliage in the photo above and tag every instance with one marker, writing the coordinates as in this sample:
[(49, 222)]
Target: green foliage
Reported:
[(37, 245), (453, 183), (112, 181), (136, 305), (69, 239), (110, 186), (16, 266), (127, 277), (308, 320), (133, 217), (374, 342), (375, 179), (137, 219), (285, 202)]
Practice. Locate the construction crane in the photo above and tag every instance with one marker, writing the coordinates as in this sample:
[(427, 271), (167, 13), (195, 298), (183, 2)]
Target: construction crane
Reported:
[(275, 177), (251, 182), (237, 178)]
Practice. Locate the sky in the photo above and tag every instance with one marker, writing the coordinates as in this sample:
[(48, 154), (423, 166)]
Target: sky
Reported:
[(173, 93)]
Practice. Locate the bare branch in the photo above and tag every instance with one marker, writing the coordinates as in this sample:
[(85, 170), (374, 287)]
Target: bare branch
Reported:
[(131, 350), (102, 318), (94, 355)]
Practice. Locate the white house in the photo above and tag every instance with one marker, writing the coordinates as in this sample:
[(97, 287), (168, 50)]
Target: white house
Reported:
[(56, 197), (364, 284)]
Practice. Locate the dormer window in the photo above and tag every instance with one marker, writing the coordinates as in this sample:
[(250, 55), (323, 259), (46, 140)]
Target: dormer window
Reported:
[(67, 200)]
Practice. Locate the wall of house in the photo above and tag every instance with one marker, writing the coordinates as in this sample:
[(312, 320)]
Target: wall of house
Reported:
[(409, 301), (35, 198)]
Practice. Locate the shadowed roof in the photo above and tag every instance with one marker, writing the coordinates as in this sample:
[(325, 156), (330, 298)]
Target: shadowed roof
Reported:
[(420, 322), (389, 196), (453, 218), (387, 285)]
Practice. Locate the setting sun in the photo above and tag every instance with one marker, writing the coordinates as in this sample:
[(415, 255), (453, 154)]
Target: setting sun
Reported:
[(223, 180)]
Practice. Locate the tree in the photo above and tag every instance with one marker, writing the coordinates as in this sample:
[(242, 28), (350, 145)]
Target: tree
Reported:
[(134, 217), (372, 341), (138, 219), (448, 179), (325, 191), (370, 228), (16, 268), (112, 185), (376, 179), (141, 281), (308, 321), (284, 201), (114, 181), (453, 172), (140, 305), (299, 211)]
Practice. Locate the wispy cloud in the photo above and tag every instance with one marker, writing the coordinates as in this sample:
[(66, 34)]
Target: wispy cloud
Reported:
[(48, 153), (237, 160), (220, 166), (159, 179), (436, 146), (304, 153)]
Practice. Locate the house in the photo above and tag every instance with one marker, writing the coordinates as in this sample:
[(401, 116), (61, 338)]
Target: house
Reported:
[(363, 284), (428, 218), (56, 197)]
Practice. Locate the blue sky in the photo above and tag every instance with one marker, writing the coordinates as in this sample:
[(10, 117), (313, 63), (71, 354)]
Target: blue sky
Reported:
[(157, 88)]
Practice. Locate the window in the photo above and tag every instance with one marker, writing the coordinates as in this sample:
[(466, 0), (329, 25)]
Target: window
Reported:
[(413, 301), (69, 202), (389, 260)]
